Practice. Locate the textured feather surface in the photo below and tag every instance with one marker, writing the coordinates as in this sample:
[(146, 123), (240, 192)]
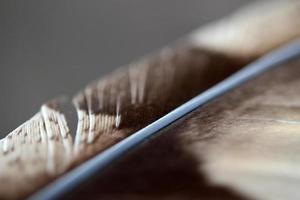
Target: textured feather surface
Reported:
[(118, 104), (34, 153), (243, 145), (131, 98)]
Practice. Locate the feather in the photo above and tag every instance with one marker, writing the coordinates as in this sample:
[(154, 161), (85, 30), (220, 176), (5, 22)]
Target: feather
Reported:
[(120, 103), (242, 145)]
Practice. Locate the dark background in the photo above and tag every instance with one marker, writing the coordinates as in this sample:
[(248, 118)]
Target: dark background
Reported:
[(50, 48)]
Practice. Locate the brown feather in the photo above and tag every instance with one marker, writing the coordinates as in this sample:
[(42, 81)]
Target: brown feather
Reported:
[(243, 145), (132, 97)]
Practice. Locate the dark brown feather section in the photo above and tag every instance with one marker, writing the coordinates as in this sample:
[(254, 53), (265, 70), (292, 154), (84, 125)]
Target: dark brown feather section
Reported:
[(131, 98), (244, 144)]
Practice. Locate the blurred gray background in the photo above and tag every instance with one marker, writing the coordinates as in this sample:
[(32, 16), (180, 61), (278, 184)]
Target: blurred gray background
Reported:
[(50, 48)]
